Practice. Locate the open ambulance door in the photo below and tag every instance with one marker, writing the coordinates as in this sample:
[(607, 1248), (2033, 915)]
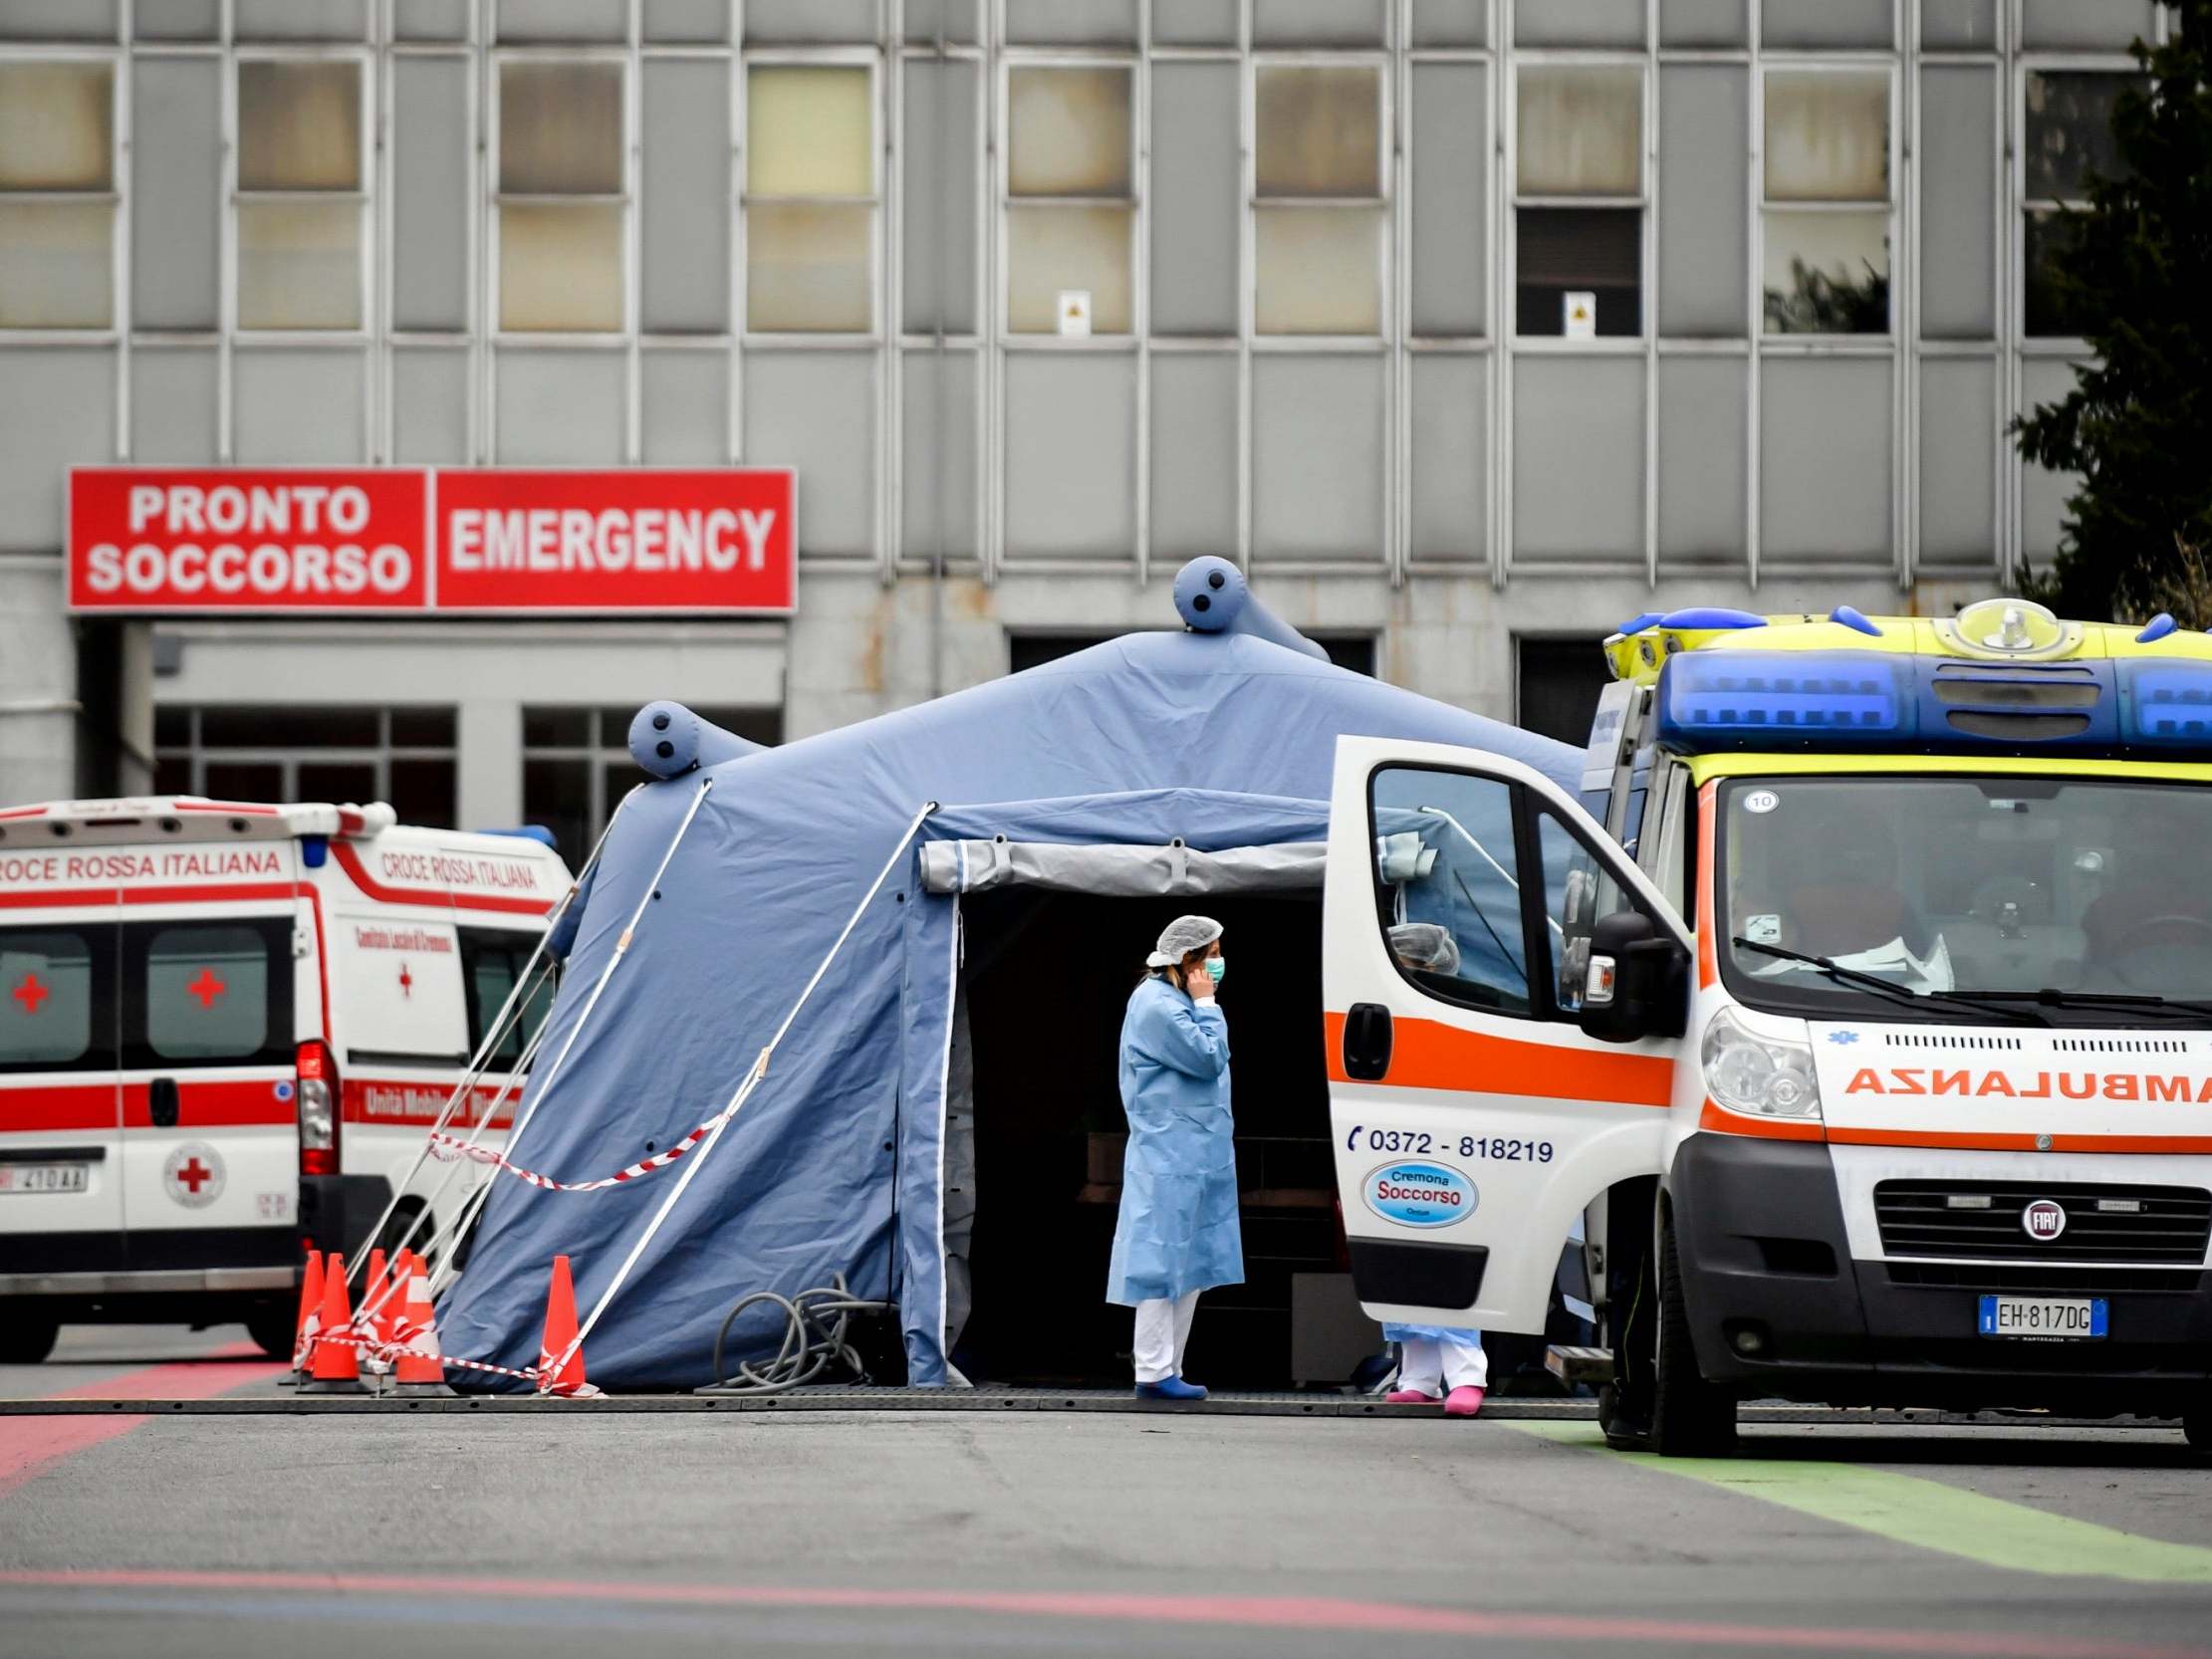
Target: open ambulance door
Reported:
[(1506, 993)]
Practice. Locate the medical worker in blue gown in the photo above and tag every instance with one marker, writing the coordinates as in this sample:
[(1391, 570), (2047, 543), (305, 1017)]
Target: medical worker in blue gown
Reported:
[(1436, 1362), (1177, 1234)]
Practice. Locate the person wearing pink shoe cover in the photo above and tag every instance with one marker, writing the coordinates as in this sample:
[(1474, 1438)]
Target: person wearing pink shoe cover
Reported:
[(1439, 1363)]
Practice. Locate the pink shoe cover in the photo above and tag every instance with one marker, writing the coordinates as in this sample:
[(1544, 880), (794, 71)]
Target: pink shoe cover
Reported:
[(1408, 1396), (1463, 1402)]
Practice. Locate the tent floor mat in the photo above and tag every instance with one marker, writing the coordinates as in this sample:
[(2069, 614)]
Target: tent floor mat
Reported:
[(992, 1399)]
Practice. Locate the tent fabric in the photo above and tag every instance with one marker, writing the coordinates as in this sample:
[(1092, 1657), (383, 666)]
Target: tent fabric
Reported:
[(1170, 871), (839, 1160)]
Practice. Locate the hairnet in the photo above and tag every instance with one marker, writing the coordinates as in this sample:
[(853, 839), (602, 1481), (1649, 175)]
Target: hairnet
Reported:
[(1183, 936), (1425, 945)]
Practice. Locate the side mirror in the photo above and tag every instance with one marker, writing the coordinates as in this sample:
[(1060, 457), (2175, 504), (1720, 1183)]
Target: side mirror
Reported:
[(1638, 982)]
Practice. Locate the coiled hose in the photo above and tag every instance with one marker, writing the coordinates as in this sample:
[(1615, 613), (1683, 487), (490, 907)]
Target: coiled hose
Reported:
[(815, 1325)]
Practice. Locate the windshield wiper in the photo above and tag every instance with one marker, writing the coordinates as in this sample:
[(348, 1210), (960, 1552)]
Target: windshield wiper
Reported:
[(1889, 987), (2050, 996)]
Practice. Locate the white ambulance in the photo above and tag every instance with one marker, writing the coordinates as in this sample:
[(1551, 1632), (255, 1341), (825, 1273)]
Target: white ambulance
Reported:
[(224, 1027), (1873, 1026)]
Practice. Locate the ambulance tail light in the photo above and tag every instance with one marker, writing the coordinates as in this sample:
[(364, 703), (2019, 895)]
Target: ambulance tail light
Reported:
[(318, 1096), (1759, 1076)]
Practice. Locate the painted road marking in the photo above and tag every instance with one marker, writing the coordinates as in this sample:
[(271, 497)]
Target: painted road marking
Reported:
[(29, 1446), (1930, 1514), (314, 1591)]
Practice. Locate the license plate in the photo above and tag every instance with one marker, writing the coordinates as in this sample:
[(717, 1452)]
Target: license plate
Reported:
[(2082, 1319), (45, 1177)]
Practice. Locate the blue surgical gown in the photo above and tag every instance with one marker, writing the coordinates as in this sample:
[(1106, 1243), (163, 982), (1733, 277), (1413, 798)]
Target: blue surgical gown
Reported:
[(1178, 1231)]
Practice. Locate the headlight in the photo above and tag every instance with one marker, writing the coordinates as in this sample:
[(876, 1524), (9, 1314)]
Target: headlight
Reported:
[(1759, 1075)]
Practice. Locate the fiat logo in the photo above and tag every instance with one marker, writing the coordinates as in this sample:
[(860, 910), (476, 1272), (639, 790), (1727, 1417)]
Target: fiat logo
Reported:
[(2043, 1221)]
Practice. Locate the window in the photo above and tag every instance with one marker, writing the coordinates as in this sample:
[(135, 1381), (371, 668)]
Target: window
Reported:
[(1824, 219), (56, 195), (208, 993), (810, 199), (1071, 217), (51, 984), (1579, 892), (2067, 139), (1317, 216), (577, 766), (1578, 199), (563, 196), (492, 960), (1451, 904), (299, 199), (404, 756), (1031, 650), (1556, 686)]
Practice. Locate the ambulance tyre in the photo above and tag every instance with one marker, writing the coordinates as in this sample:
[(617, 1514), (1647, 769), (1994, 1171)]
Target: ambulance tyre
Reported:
[(24, 1339), (273, 1330), (1690, 1417)]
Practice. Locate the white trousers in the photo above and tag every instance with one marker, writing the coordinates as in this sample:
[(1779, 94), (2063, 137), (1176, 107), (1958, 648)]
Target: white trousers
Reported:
[(1162, 1327), (1427, 1364)]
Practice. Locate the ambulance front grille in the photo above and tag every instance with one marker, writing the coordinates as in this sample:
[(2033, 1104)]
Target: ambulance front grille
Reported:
[(1952, 1042), (2103, 1223)]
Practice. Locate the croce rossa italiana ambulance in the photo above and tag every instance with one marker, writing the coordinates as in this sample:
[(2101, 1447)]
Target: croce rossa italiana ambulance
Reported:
[(224, 1027), (1866, 1011)]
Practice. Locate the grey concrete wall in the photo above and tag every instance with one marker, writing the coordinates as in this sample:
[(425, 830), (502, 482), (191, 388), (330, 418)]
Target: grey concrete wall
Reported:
[(1441, 481)]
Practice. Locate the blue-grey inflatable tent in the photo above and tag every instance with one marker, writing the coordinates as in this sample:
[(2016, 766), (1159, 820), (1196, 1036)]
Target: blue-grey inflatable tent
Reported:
[(1185, 764)]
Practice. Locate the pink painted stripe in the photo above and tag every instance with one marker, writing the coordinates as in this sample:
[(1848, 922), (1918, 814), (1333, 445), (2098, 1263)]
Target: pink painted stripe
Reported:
[(1243, 1611), (29, 1446)]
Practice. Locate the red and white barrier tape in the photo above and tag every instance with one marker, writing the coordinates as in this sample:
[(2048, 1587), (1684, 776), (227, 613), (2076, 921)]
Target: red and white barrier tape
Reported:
[(450, 1147), (385, 1352)]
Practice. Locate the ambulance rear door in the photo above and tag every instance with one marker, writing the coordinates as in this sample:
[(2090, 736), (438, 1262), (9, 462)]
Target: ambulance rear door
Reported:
[(1484, 1084), (214, 984), (61, 1126)]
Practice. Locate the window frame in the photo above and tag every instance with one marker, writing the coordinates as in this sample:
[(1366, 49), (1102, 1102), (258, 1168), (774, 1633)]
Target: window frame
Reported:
[(363, 198), (2021, 205), (1383, 203), (494, 329), (117, 63), (1890, 339), (877, 199), (1646, 64), (1136, 65), (195, 754)]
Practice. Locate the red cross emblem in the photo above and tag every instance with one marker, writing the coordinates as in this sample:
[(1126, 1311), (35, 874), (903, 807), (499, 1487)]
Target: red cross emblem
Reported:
[(206, 987), (193, 1173), (406, 980), (31, 994)]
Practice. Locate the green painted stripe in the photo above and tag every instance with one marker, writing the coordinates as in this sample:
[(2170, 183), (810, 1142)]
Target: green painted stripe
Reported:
[(1930, 1514)]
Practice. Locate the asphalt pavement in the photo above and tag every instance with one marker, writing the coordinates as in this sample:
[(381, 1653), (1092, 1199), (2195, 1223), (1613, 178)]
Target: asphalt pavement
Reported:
[(831, 1533)]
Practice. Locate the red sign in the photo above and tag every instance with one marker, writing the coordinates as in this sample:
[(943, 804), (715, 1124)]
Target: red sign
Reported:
[(415, 540)]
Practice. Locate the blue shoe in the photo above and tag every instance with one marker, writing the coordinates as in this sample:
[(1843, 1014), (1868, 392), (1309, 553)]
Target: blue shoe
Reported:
[(1169, 1389)]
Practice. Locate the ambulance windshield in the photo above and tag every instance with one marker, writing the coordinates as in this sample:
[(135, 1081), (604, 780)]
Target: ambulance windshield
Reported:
[(1963, 885)]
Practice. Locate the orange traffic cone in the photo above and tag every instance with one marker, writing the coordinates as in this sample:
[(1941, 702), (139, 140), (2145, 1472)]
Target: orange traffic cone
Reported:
[(560, 1333), (309, 1319), (418, 1371), (336, 1367)]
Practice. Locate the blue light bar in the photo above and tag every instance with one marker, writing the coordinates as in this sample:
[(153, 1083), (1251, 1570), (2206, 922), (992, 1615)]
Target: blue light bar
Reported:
[(1787, 695), (2166, 705), (1637, 624)]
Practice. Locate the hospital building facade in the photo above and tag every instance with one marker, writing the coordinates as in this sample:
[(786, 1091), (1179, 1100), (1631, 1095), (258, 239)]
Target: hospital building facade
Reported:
[(1468, 327)]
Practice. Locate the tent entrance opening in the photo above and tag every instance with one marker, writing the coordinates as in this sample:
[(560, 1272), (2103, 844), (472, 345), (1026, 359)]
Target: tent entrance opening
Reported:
[(1047, 976)]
